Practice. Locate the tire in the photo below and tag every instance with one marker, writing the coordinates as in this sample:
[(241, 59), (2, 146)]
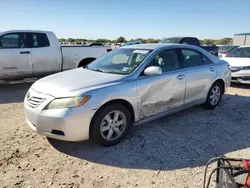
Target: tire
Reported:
[(105, 124), (210, 104)]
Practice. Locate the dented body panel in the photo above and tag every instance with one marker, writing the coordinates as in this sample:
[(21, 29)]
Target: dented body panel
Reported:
[(149, 96), (160, 93)]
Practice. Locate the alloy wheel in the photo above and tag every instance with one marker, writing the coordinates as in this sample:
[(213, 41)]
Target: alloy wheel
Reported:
[(215, 95), (113, 125)]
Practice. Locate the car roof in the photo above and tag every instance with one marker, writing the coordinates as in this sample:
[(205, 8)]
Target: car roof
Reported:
[(153, 46), (244, 46), (23, 31), (242, 34)]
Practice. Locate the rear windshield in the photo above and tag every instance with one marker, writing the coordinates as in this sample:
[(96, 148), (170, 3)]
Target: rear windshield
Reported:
[(240, 52), (170, 40)]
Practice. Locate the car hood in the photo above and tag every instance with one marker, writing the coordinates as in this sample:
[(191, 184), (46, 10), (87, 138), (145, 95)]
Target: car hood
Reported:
[(237, 62), (74, 82)]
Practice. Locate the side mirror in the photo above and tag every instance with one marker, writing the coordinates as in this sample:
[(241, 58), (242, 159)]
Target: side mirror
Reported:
[(152, 70)]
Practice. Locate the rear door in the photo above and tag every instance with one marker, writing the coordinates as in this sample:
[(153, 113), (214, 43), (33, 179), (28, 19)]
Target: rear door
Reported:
[(46, 57), (200, 73), (15, 56), (162, 92)]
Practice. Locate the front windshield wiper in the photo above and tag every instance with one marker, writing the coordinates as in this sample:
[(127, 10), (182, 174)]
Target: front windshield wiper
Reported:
[(98, 70)]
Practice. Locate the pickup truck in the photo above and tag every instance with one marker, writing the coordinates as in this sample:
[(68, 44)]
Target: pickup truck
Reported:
[(192, 41), (30, 53)]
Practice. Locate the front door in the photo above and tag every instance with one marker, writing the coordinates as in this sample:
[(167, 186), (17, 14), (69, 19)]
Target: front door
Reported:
[(15, 56), (163, 92)]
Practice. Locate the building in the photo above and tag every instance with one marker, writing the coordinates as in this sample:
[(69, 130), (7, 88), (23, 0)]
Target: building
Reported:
[(241, 39)]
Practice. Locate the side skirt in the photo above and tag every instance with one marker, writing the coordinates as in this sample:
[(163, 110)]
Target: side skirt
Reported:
[(162, 114)]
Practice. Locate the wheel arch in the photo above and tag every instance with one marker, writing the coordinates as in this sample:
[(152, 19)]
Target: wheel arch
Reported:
[(86, 61), (124, 102), (221, 81)]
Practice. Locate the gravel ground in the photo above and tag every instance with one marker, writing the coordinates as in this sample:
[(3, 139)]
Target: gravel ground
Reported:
[(169, 152)]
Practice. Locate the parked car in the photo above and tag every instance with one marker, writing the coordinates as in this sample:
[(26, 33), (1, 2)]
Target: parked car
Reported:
[(131, 43), (128, 86), (27, 53), (225, 49), (191, 41), (239, 59)]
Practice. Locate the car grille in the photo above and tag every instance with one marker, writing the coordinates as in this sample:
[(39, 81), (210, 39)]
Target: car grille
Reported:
[(34, 102)]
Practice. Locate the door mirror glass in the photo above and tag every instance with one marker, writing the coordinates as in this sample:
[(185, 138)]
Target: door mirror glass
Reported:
[(152, 70)]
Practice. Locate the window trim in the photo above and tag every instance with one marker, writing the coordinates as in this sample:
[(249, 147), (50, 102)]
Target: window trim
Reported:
[(203, 55), (15, 33), (163, 73)]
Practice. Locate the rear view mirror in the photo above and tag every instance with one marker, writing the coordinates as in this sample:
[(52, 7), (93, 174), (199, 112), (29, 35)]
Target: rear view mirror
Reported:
[(152, 70)]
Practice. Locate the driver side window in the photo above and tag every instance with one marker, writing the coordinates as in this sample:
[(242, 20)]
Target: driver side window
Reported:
[(10, 41), (168, 61)]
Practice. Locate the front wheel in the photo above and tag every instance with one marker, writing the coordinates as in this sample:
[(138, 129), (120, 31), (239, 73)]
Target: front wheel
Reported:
[(214, 96), (110, 125)]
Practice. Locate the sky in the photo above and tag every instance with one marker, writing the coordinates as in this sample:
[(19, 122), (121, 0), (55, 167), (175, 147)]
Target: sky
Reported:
[(92, 19)]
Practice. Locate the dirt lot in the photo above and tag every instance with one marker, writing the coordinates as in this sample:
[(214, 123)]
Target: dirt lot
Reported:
[(169, 152)]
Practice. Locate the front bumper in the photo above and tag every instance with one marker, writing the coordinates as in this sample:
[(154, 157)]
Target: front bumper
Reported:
[(69, 124), (241, 76)]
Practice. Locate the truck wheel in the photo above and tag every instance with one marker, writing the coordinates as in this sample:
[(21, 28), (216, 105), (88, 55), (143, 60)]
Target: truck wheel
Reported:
[(110, 125), (214, 96)]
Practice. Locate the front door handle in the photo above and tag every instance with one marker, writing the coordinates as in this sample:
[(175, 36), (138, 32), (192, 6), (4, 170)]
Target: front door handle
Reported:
[(180, 77), (25, 52), (212, 69)]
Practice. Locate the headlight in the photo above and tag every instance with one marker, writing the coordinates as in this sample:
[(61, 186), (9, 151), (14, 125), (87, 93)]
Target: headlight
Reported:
[(246, 68), (67, 102)]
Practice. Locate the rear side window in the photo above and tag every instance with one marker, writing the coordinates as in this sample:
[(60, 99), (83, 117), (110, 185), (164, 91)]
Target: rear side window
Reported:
[(186, 41), (192, 58), (195, 42), (10, 41), (40, 40)]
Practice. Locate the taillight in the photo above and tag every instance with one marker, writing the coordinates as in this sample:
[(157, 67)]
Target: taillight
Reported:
[(109, 49), (229, 67)]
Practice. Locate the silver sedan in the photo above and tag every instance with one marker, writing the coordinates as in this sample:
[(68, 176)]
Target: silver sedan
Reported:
[(128, 86)]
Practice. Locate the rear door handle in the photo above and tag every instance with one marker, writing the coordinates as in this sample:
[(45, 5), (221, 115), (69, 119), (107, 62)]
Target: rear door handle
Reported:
[(180, 77), (25, 52), (212, 69)]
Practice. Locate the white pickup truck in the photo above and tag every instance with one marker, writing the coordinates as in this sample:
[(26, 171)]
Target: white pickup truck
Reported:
[(29, 53)]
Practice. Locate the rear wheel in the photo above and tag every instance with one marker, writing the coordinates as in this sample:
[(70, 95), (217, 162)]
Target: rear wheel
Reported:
[(214, 96), (110, 125)]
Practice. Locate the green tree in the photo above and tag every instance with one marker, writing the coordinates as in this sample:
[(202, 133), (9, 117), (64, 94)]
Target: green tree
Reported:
[(224, 41), (71, 40), (101, 40), (208, 42), (62, 40), (121, 39)]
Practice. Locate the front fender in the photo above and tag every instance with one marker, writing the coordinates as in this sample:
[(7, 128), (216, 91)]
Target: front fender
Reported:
[(124, 90)]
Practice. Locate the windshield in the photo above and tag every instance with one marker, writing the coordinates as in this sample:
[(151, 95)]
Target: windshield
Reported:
[(120, 61), (240, 52), (225, 48)]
